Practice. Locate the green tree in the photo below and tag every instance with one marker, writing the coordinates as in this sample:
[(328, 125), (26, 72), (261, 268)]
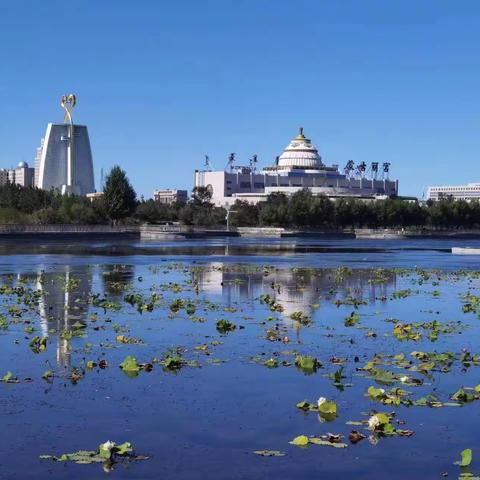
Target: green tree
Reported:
[(245, 214), (119, 198), (201, 196), (274, 212), (152, 211), (323, 211), (300, 208)]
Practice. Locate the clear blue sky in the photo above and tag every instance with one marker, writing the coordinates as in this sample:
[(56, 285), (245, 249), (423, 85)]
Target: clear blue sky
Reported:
[(161, 83)]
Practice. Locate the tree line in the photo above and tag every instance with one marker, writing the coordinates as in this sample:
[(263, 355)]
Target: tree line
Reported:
[(300, 210), (304, 210), (119, 204)]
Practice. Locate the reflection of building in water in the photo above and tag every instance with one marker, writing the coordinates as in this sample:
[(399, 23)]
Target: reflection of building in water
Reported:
[(296, 290), (116, 278), (64, 302)]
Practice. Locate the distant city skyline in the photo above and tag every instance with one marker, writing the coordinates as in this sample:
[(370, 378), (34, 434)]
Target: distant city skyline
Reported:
[(162, 84)]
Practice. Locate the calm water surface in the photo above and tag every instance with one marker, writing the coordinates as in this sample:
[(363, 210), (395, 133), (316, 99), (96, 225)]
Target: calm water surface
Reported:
[(206, 419)]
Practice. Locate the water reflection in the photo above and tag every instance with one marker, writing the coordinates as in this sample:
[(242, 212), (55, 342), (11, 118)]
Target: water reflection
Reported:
[(116, 278), (296, 290), (64, 300), (63, 303)]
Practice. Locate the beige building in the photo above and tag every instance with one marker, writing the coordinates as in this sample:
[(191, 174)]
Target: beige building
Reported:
[(22, 175), (468, 192), (169, 196), (94, 196)]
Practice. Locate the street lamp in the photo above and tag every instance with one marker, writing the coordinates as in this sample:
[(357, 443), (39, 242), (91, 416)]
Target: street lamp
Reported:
[(227, 218)]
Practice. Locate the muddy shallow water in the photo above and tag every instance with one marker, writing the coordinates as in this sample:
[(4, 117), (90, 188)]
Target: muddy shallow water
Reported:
[(235, 392)]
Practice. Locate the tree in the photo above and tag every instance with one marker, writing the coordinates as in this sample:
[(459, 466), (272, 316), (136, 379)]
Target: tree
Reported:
[(323, 211), (119, 198), (300, 208), (246, 214), (201, 196), (274, 212), (153, 211)]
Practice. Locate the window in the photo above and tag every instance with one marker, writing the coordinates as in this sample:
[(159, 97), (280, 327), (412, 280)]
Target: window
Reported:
[(259, 185), (244, 184)]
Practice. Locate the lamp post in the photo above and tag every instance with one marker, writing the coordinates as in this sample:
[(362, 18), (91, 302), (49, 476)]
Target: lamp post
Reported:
[(227, 218)]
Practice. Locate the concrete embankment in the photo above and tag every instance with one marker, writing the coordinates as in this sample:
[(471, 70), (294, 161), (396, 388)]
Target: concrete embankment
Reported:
[(285, 233), (171, 232), (395, 234), (74, 231)]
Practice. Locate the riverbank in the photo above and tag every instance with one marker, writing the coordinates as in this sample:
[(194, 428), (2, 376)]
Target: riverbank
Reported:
[(174, 232), (75, 231), (398, 234)]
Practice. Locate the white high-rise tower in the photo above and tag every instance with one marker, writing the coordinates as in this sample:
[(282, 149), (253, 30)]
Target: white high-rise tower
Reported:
[(65, 157)]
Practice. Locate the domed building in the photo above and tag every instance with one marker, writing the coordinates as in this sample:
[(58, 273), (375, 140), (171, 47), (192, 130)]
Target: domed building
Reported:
[(21, 175), (299, 166), (300, 153)]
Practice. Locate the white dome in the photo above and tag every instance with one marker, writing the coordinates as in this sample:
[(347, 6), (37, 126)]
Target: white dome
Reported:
[(300, 153), (22, 165)]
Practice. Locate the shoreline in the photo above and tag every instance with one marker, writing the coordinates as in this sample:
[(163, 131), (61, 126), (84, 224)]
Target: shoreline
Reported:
[(178, 232)]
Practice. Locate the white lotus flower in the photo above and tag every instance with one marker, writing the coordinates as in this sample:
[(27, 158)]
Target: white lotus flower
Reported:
[(373, 422), (404, 379), (321, 401), (108, 445)]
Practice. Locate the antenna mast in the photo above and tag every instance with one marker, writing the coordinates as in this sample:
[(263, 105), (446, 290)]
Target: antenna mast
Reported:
[(231, 161), (253, 163), (386, 170)]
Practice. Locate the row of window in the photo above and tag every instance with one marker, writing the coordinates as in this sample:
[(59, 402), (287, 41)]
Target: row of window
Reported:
[(455, 189), (255, 185)]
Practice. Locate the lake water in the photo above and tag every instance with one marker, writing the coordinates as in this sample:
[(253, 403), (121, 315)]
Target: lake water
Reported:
[(208, 398)]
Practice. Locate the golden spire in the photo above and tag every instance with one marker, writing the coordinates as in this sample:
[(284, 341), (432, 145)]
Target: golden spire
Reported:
[(67, 103), (301, 136)]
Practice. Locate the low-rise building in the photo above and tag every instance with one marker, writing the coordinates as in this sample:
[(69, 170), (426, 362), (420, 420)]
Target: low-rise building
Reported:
[(169, 196), (22, 175), (468, 192), (94, 196), (299, 166)]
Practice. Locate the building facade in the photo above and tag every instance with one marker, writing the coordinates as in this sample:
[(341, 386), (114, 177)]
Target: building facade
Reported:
[(169, 196), (22, 175), (38, 158), (95, 196), (468, 192), (299, 166), (52, 160)]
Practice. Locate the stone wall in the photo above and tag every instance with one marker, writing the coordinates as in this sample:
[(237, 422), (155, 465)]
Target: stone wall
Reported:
[(6, 229)]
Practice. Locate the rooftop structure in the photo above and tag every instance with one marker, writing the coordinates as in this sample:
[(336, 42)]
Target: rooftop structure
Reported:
[(169, 196), (299, 166), (468, 192), (21, 175), (64, 158), (300, 153), (95, 196)]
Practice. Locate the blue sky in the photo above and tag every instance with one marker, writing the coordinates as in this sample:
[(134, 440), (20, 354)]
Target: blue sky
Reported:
[(162, 83)]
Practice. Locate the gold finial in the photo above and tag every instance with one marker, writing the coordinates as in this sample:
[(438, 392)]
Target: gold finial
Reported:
[(67, 103), (300, 134)]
